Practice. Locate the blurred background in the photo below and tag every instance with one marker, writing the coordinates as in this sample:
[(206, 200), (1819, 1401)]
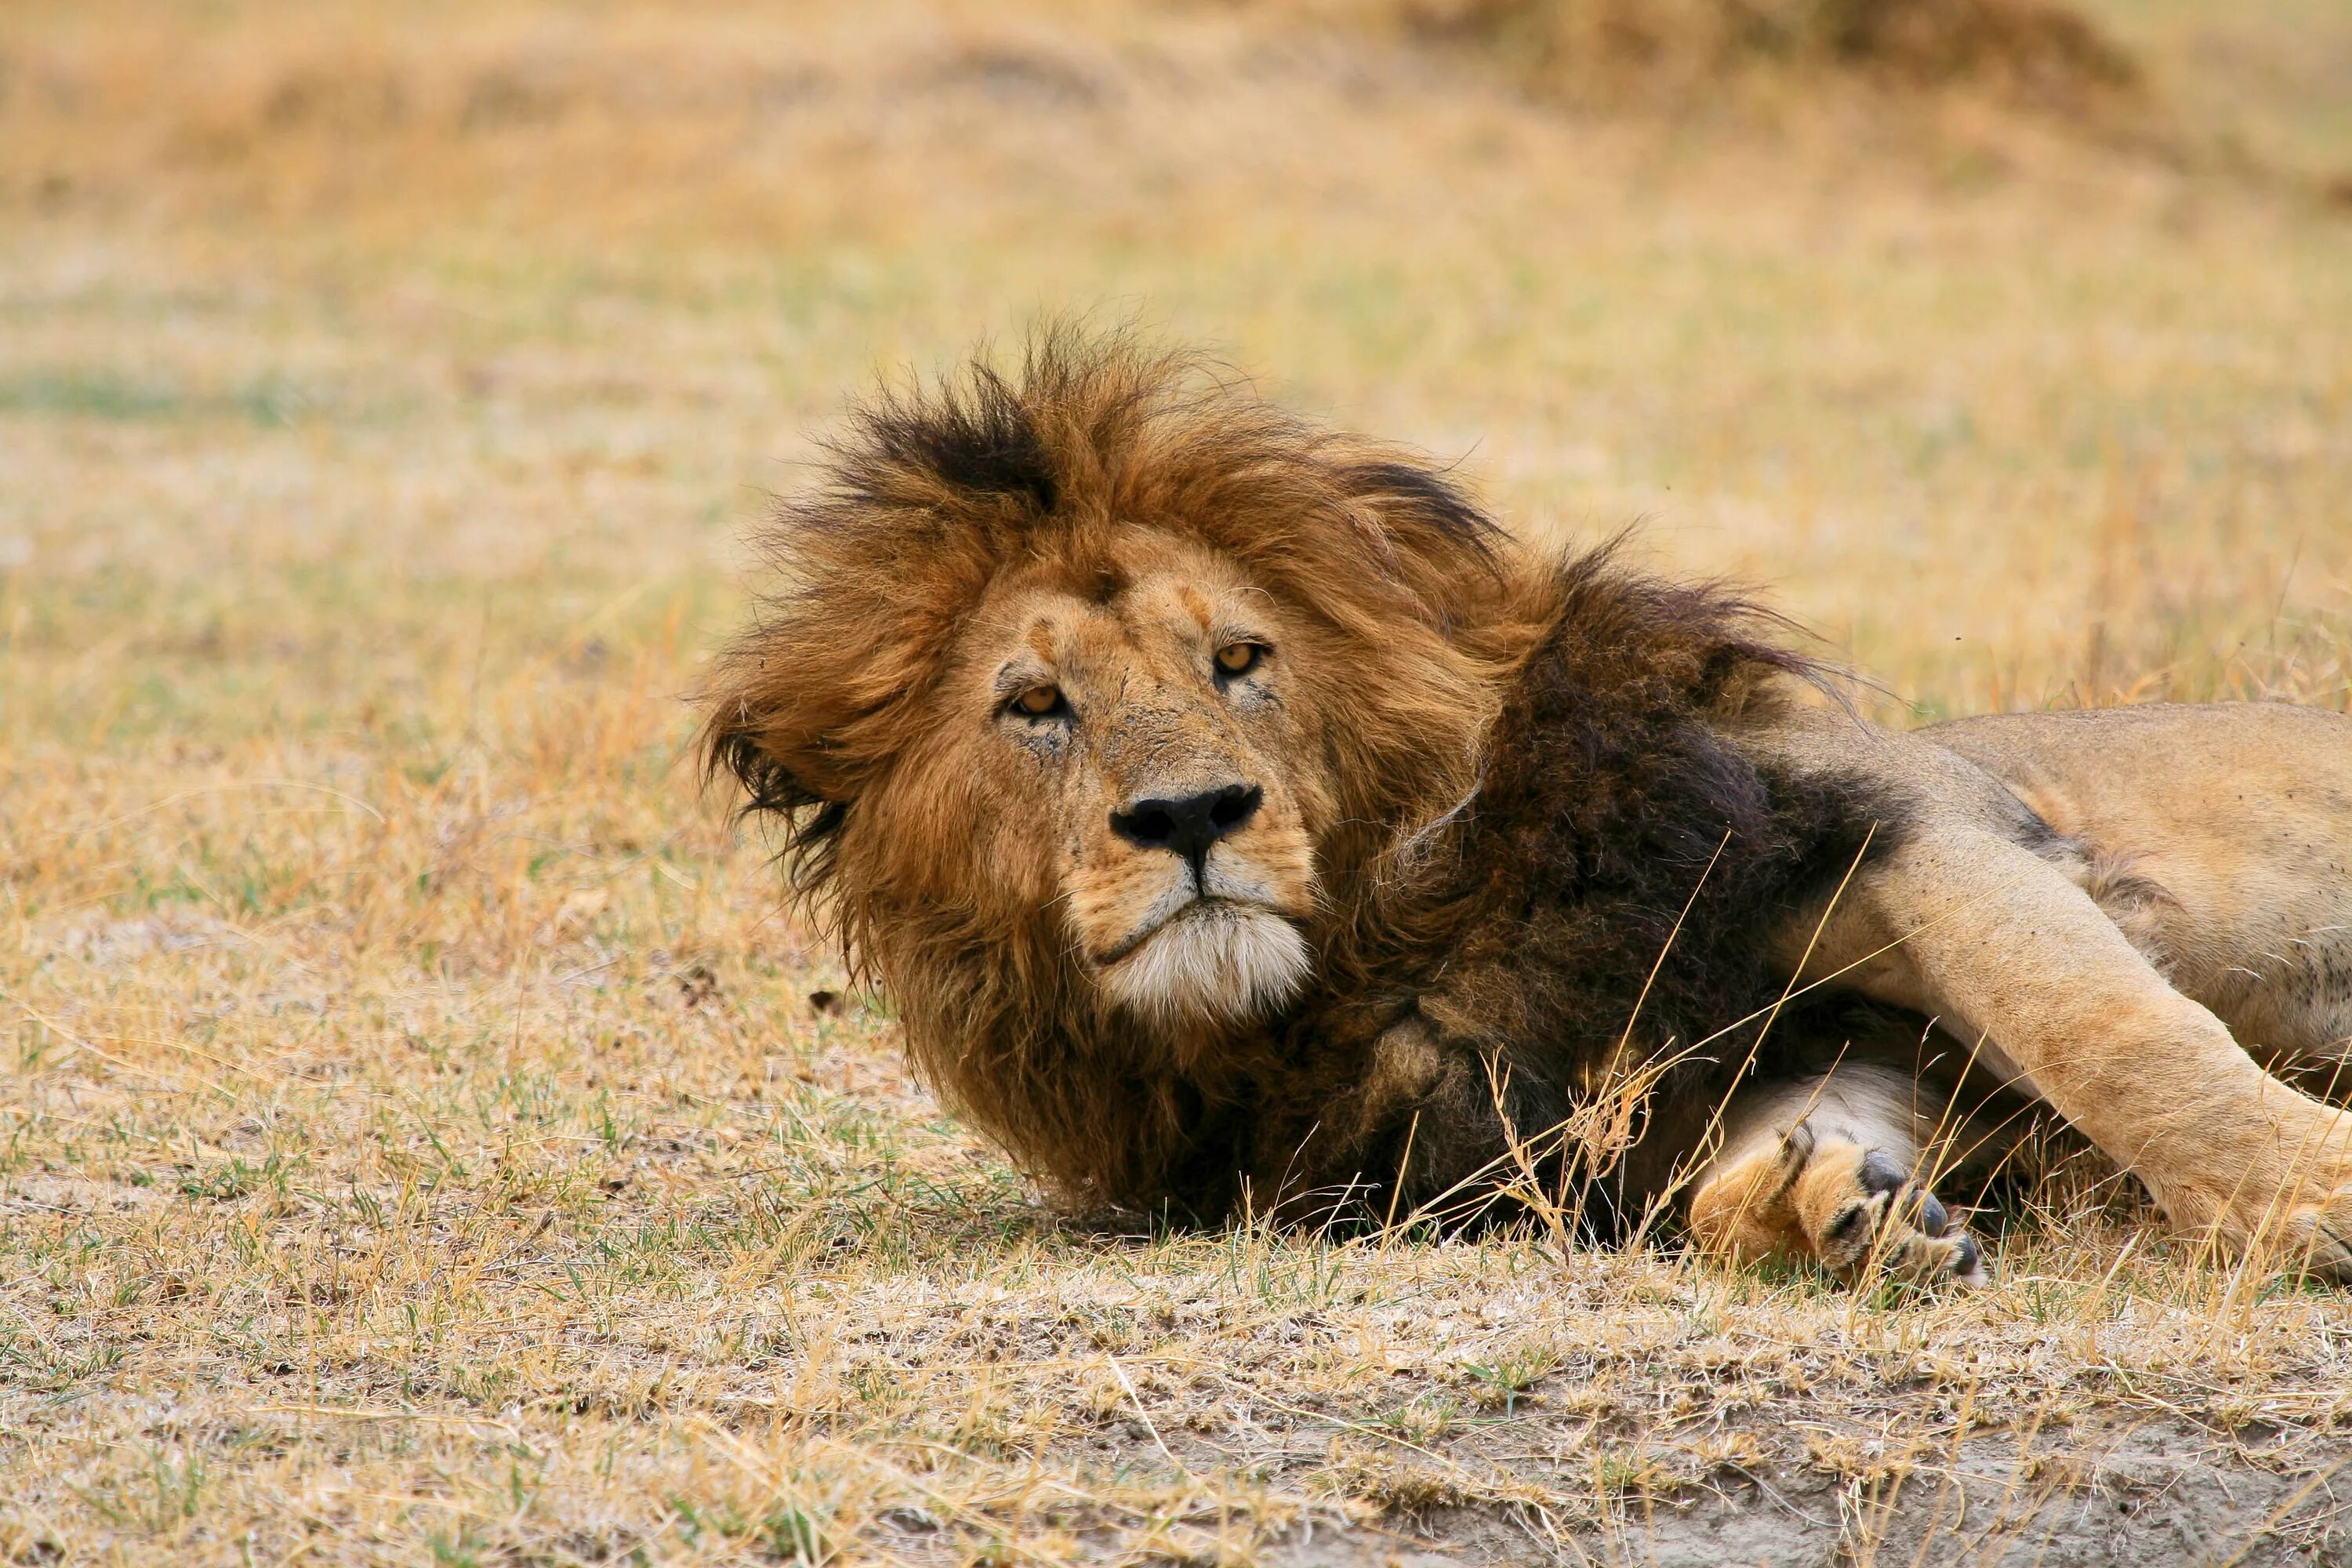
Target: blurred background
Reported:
[(349, 348)]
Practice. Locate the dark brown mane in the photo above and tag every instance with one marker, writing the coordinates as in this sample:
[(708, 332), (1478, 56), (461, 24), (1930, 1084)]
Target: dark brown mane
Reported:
[(1531, 787), (1601, 913)]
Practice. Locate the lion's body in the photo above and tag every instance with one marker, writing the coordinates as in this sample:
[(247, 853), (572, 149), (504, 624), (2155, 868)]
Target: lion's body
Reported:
[(1238, 817)]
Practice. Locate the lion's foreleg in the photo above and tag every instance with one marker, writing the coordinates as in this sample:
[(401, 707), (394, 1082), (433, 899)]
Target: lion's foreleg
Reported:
[(1824, 1167), (1984, 934)]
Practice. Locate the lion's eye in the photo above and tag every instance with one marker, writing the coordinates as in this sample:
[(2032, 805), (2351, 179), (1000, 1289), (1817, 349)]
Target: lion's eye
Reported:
[(1238, 657), (1038, 701)]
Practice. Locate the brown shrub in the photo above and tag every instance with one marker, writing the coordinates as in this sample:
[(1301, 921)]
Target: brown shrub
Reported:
[(2038, 50)]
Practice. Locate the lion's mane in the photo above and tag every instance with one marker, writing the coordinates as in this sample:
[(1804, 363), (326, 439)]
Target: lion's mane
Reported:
[(1549, 863)]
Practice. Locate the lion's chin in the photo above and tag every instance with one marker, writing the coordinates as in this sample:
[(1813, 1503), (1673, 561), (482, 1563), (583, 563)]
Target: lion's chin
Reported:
[(1216, 963)]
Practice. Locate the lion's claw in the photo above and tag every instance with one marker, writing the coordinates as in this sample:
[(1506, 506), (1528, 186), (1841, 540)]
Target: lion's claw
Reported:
[(1861, 1209)]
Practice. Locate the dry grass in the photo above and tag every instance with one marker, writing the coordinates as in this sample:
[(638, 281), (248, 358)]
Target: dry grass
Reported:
[(419, 1140)]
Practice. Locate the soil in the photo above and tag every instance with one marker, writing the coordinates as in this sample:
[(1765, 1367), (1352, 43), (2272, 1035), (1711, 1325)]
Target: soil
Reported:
[(2161, 1495)]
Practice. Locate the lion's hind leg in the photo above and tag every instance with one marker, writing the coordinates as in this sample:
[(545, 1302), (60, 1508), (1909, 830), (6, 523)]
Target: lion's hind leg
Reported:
[(1826, 1167)]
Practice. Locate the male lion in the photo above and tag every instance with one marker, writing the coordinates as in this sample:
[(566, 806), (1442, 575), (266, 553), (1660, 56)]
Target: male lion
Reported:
[(1239, 817)]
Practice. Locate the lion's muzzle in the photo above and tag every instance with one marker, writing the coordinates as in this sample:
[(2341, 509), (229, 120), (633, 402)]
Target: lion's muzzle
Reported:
[(1213, 942)]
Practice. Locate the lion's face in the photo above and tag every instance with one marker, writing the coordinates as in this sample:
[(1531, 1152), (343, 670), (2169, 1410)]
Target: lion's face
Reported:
[(1141, 740)]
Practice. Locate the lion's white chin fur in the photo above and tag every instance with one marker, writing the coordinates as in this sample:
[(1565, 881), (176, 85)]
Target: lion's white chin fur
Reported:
[(1216, 963)]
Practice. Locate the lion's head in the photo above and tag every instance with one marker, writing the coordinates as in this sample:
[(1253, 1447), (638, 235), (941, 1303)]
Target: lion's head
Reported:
[(1100, 704)]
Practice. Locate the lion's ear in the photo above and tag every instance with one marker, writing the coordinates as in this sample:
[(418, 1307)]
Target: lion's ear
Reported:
[(778, 756), (738, 745), (1420, 503), (1432, 539)]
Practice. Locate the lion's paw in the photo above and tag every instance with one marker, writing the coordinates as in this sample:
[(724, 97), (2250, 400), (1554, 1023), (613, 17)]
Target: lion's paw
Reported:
[(1854, 1207), (2296, 1220), (2314, 1238), (1863, 1211)]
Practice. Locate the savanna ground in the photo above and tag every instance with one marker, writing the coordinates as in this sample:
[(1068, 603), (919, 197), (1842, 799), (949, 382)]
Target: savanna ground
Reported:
[(425, 1140)]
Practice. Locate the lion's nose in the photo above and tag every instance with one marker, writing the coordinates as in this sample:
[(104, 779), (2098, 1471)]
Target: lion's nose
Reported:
[(1191, 824)]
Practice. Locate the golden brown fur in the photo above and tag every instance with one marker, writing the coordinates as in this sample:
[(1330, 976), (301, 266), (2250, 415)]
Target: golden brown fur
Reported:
[(1236, 815)]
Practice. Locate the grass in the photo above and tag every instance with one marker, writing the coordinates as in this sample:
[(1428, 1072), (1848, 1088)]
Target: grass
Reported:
[(419, 1141)]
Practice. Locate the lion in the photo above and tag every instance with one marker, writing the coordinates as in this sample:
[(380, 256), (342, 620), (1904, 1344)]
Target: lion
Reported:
[(1243, 820)]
